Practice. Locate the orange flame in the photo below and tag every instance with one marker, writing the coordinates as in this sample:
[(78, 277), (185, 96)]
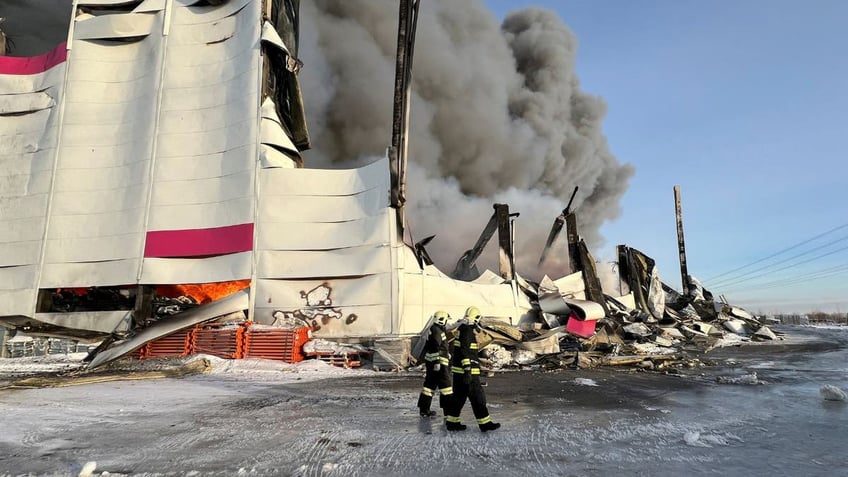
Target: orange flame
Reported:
[(203, 292)]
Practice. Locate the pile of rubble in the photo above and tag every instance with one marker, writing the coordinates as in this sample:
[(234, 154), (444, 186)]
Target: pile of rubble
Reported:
[(653, 326)]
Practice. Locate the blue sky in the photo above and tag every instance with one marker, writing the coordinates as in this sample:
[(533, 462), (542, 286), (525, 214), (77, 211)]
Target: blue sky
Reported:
[(744, 105)]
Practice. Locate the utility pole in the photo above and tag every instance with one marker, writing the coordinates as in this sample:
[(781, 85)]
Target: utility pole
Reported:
[(681, 246)]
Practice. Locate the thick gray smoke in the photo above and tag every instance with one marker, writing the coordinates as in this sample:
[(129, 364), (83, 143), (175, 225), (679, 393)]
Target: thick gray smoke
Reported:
[(497, 116)]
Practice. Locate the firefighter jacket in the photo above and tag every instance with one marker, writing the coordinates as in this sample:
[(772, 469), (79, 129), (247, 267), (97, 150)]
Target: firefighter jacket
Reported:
[(436, 348), (465, 351)]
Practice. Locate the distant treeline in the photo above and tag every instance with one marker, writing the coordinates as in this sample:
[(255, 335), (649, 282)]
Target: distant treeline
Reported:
[(813, 317)]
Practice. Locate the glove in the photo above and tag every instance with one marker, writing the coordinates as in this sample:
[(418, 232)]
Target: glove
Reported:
[(437, 367), (467, 375)]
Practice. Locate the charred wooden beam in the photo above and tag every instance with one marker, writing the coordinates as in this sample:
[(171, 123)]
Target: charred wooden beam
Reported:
[(506, 257), (143, 309), (407, 20), (573, 238), (556, 228), (594, 291), (681, 246)]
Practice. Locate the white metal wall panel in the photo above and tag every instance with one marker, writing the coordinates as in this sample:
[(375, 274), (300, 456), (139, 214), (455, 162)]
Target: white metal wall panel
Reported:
[(208, 96), (94, 202), (150, 6), (199, 216), (20, 253), (107, 224), (207, 142), (26, 163), (109, 273), (234, 266), (18, 302), (270, 157), (193, 15), (425, 294), (328, 292), (22, 207), (204, 33), (204, 190), (209, 192), (12, 84), (343, 322), (16, 278), (28, 139), (278, 208), (354, 261), (326, 236), (25, 102), (122, 25), (327, 182), (19, 230), (186, 168), (96, 225), (102, 321), (95, 249)]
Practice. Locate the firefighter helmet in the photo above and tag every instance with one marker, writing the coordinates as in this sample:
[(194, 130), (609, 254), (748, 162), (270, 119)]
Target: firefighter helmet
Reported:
[(473, 315), (441, 317)]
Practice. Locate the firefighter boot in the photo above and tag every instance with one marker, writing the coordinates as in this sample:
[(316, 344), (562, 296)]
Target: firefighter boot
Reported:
[(489, 426), (455, 426), (427, 413)]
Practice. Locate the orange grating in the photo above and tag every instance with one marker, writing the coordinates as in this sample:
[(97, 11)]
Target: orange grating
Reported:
[(177, 344), (234, 342), (276, 343), (222, 341)]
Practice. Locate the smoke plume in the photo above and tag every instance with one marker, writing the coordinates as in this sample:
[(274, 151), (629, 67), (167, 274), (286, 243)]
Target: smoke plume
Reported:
[(497, 116)]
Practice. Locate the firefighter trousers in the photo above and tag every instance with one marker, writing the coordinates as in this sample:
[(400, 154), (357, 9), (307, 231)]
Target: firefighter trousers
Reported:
[(465, 387), (434, 380)]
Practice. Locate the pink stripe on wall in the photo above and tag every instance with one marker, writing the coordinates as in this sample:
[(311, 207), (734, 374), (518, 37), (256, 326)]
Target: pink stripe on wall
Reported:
[(199, 242), (30, 65)]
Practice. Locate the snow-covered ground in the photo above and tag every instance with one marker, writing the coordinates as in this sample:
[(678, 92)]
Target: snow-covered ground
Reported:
[(255, 417)]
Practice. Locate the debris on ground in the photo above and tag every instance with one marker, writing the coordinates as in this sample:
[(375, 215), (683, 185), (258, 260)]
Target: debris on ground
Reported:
[(832, 393)]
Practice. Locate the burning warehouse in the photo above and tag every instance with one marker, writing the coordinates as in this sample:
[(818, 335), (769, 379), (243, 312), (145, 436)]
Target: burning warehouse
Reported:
[(154, 178)]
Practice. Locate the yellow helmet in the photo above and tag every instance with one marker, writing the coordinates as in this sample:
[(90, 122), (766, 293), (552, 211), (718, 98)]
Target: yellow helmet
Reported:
[(473, 315), (441, 317)]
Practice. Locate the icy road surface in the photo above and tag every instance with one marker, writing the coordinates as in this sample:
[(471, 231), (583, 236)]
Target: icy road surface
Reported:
[(264, 418)]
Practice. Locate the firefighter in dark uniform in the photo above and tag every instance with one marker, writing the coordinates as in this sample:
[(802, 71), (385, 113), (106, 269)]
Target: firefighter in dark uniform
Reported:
[(465, 366), (437, 363)]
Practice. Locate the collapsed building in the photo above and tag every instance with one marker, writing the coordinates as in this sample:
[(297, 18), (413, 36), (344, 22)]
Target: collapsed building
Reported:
[(153, 182)]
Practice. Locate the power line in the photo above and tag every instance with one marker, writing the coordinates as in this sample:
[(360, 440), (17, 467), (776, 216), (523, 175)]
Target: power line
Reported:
[(725, 281), (815, 275), (790, 266), (780, 252)]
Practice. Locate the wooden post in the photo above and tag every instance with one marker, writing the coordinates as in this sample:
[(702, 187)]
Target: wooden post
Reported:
[(573, 238), (505, 254), (143, 309), (681, 246), (594, 291)]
